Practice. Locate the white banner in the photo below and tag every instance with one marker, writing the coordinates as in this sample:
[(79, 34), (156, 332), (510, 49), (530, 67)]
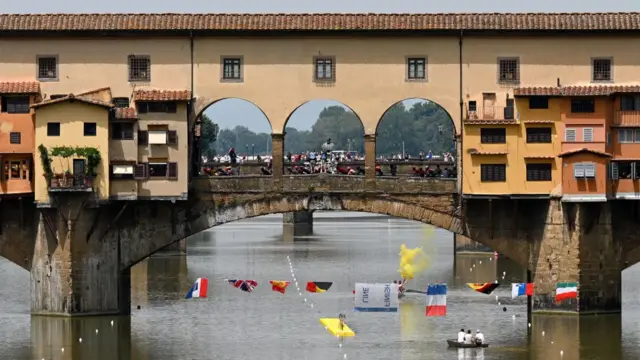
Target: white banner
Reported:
[(376, 297)]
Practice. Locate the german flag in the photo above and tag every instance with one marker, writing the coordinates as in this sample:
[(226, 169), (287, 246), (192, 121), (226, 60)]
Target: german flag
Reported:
[(485, 288), (318, 287), (279, 285)]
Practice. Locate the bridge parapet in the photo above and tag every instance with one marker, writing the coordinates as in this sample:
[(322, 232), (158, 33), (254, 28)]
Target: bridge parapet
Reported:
[(323, 183)]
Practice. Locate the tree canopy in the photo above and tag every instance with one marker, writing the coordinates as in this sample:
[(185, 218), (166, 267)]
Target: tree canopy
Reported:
[(422, 127)]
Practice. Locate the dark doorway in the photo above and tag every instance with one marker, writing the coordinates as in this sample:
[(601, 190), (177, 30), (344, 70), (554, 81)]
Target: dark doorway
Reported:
[(78, 166)]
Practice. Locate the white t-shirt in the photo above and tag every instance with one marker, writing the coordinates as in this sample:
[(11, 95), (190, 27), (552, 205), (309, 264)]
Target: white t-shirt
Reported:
[(461, 337), (467, 339), (480, 336)]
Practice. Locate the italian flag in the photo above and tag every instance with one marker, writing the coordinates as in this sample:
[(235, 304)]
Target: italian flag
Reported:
[(568, 290)]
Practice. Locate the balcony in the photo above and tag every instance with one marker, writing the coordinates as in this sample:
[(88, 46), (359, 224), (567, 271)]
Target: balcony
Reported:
[(630, 118), (490, 113), (71, 183)]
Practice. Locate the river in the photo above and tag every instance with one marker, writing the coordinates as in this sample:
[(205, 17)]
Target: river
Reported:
[(345, 248)]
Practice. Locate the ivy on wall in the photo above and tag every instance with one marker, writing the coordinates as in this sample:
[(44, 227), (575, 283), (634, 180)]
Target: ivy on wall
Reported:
[(65, 152)]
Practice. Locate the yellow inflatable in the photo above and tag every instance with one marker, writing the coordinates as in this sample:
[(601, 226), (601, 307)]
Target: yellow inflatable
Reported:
[(333, 326)]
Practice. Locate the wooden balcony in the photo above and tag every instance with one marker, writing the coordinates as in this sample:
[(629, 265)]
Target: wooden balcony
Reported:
[(71, 183), (630, 118), (490, 113)]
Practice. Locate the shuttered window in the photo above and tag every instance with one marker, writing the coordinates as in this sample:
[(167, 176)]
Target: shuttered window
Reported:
[(570, 135), (539, 135), (141, 171), (587, 134), (172, 172), (578, 170), (172, 137), (493, 136), (493, 172), (14, 137), (15, 104), (538, 172), (143, 137), (584, 170), (589, 170)]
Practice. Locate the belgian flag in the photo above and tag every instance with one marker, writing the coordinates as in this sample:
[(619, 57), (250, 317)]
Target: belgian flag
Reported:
[(318, 286), (485, 288)]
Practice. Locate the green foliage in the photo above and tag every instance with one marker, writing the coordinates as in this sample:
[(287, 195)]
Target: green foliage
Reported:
[(422, 127), (46, 162), (92, 155), (209, 134)]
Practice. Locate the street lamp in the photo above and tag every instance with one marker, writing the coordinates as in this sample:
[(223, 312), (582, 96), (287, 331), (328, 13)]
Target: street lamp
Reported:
[(253, 150), (246, 149)]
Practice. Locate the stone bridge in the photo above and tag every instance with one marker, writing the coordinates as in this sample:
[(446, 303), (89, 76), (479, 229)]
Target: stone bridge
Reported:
[(80, 253)]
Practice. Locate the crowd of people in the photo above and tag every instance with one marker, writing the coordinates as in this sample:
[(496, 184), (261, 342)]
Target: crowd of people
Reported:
[(469, 339)]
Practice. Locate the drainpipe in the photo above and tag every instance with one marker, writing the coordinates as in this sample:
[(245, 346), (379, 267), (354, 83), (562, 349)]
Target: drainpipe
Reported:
[(460, 155), (195, 148)]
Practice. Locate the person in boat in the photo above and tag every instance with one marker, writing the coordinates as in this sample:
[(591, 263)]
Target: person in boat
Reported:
[(401, 285), (479, 338), (461, 336), (468, 338), (342, 318)]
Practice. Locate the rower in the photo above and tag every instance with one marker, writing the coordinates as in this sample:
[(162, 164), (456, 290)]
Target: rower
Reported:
[(479, 338), (342, 318), (468, 338), (461, 336)]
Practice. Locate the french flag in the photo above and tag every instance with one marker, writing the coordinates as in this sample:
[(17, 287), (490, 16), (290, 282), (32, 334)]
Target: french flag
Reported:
[(199, 288), (521, 289), (437, 300)]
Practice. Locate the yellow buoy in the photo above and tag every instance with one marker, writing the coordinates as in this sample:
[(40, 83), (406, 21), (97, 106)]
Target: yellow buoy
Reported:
[(333, 326)]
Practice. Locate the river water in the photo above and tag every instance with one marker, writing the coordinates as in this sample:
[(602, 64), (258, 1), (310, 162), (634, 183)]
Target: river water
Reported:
[(345, 248)]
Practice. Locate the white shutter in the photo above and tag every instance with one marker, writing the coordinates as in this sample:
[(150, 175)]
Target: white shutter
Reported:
[(157, 137), (578, 170), (570, 135), (587, 134), (589, 170)]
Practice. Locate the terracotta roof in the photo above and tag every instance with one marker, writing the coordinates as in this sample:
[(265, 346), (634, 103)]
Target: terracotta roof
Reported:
[(126, 113), (22, 87), (327, 22), (74, 98), (578, 151), (539, 121), (588, 90), (162, 95), (476, 152), (490, 122), (539, 156)]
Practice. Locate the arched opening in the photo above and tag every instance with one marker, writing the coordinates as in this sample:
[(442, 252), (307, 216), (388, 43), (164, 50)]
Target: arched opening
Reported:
[(421, 135), (235, 138), (324, 136)]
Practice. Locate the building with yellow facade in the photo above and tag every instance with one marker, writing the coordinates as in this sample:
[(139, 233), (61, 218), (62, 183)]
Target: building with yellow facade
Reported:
[(72, 145)]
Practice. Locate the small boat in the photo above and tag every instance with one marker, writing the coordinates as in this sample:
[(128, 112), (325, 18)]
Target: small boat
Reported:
[(456, 344)]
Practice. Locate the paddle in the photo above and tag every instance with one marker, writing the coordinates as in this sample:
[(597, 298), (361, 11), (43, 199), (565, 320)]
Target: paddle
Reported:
[(415, 291)]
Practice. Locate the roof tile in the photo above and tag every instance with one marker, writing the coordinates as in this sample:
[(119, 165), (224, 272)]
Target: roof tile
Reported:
[(126, 113), (588, 90), (583, 150), (23, 87), (322, 22), (83, 99), (162, 95)]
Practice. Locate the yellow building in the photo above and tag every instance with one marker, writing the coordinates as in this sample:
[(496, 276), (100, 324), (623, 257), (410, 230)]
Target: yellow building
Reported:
[(73, 134), (513, 151)]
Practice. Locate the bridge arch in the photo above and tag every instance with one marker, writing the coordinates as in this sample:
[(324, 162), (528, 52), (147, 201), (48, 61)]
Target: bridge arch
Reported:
[(201, 104), (223, 211)]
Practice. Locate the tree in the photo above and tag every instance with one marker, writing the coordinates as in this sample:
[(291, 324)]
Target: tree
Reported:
[(208, 134)]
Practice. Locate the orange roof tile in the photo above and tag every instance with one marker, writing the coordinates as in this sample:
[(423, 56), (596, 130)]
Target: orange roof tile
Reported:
[(162, 95), (578, 151), (74, 98), (588, 90), (126, 113), (538, 121), (539, 157), (490, 122), (476, 152), (326, 22), (21, 87)]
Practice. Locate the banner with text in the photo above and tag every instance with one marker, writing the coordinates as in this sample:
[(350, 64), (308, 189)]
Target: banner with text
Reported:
[(376, 297)]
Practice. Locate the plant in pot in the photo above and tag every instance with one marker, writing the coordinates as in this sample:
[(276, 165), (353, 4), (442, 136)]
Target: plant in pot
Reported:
[(93, 161), (62, 181)]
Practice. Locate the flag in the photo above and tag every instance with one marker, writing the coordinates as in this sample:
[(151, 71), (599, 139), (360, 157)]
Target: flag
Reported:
[(198, 289), (567, 290), (279, 285), (244, 285), (485, 288), (521, 289), (318, 286), (437, 300)]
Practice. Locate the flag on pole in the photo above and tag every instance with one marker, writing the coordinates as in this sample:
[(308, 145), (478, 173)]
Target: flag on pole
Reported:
[(244, 285), (521, 289), (199, 288), (318, 286), (279, 285), (566, 290), (485, 288), (437, 300)]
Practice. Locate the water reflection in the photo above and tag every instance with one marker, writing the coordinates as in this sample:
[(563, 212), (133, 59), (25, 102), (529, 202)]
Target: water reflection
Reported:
[(481, 268), (159, 280)]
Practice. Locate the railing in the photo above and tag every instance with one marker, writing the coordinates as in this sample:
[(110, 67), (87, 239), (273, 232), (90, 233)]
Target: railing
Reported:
[(627, 117), (491, 113), (325, 183), (71, 183)]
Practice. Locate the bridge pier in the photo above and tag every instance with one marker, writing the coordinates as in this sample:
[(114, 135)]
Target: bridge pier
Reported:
[(464, 245), (298, 223), (179, 248)]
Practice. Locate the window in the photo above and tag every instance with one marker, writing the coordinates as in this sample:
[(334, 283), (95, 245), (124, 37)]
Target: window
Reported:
[(143, 137), (79, 166), (122, 171), (47, 68), (601, 70), (625, 170), (157, 107), (324, 69), (122, 131), (509, 70), (538, 102), (569, 135), (493, 172), (416, 68), (584, 170), (539, 135), (630, 103), (139, 68), (473, 106), (90, 129), (121, 102), (587, 134), (586, 105), (538, 172), (232, 69), (493, 136), (53, 129), (14, 137), (628, 136), (16, 170), (15, 104), (156, 169)]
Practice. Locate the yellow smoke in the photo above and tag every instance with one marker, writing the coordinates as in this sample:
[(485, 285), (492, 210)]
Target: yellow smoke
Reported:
[(412, 262)]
